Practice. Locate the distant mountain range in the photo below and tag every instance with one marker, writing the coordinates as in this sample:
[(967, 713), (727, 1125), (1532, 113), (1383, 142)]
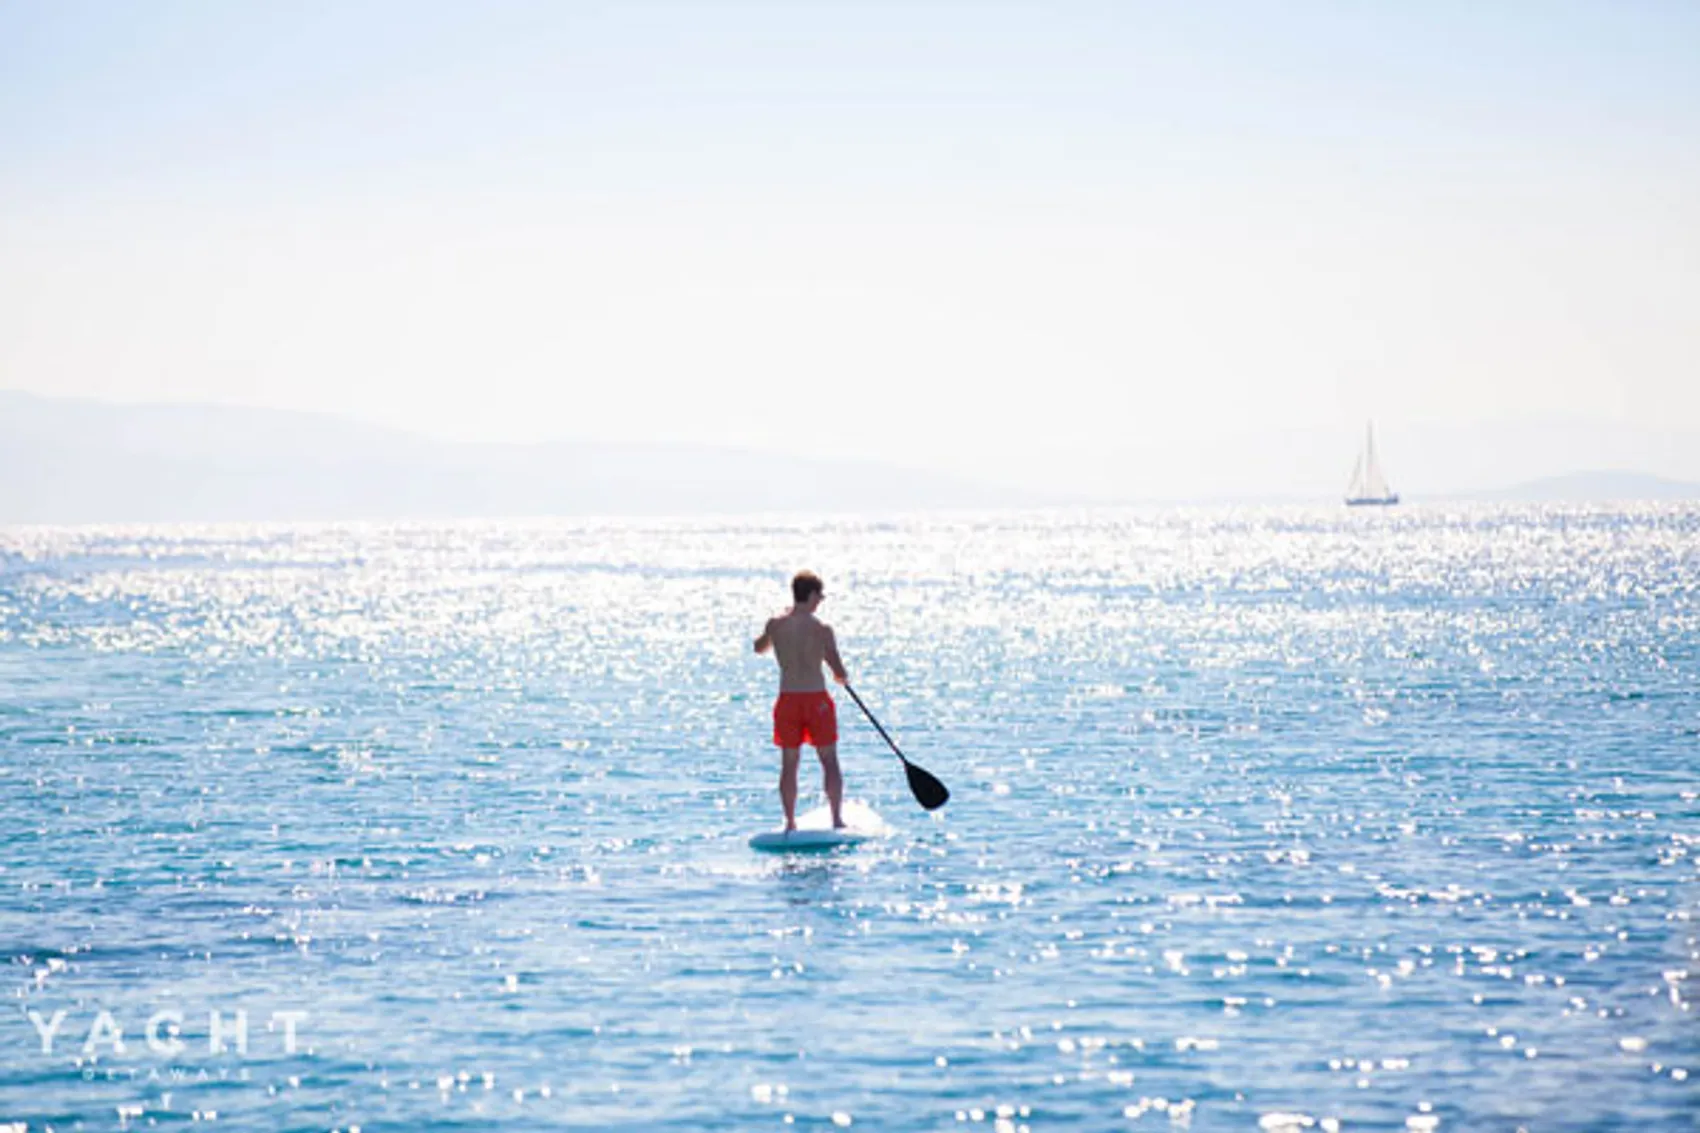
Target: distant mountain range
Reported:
[(1600, 486), (74, 461), (1193, 461), (67, 461)]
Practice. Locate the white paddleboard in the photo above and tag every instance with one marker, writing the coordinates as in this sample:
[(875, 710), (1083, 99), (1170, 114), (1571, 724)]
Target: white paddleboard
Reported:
[(814, 830)]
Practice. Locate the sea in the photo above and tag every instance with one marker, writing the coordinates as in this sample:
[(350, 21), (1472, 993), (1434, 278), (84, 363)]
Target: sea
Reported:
[(1281, 819)]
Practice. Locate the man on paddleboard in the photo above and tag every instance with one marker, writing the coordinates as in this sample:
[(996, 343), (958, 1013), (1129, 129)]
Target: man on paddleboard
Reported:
[(804, 712)]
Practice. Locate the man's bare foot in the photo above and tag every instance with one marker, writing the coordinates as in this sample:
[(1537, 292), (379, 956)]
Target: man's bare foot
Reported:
[(790, 828)]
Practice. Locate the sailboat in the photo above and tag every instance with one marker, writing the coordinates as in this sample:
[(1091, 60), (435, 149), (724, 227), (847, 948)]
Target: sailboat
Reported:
[(1369, 487)]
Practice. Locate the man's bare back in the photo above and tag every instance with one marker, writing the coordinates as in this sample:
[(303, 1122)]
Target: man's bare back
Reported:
[(801, 643)]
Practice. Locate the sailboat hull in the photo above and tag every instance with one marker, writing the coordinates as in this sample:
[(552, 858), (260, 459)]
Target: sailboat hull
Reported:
[(1372, 501)]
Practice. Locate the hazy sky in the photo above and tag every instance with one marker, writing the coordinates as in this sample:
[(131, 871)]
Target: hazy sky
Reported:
[(1066, 240)]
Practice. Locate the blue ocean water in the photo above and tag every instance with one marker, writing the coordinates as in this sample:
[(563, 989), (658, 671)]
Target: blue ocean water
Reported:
[(1279, 818)]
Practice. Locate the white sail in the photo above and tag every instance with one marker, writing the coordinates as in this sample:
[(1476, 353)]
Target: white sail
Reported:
[(1369, 484)]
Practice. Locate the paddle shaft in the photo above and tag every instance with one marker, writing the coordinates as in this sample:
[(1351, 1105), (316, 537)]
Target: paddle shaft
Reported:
[(878, 727)]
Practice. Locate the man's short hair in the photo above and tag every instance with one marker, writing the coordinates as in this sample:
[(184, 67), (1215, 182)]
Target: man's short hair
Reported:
[(806, 585)]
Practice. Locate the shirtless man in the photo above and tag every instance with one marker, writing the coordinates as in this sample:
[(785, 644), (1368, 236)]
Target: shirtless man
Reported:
[(804, 712)]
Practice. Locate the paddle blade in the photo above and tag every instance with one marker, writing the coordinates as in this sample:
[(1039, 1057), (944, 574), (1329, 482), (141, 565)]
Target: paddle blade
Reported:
[(928, 791)]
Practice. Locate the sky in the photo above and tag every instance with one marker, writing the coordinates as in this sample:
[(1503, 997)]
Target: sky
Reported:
[(1060, 244)]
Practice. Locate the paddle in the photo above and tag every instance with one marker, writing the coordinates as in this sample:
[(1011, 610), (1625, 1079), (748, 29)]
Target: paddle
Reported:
[(928, 791)]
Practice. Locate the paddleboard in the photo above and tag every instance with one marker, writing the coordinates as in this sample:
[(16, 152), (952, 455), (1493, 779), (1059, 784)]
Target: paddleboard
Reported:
[(814, 831)]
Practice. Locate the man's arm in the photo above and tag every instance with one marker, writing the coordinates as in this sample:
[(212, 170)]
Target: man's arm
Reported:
[(765, 641), (833, 661)]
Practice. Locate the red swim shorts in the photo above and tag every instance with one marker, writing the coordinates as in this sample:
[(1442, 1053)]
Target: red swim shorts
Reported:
[(805, 718)]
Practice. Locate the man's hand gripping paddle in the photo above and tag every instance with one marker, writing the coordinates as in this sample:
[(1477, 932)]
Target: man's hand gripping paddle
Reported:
[(928, 791)]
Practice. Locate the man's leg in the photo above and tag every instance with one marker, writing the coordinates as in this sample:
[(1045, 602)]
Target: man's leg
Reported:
[(833, 781), (788, 757)]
